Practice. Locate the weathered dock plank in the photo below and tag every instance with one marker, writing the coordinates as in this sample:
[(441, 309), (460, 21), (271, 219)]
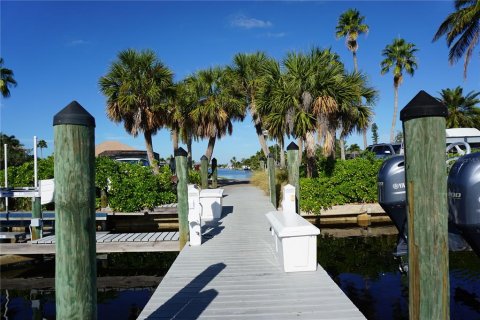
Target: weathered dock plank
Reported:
[(106, 242), (234, 274)]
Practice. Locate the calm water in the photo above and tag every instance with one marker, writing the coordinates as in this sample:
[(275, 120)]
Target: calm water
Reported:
[(363, 267), (234, 174)]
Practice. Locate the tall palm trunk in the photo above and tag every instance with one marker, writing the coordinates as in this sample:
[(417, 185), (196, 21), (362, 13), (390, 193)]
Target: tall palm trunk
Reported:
[(364, 132), (189, 151), (281, 145), (310, 152), (261, 138), (151, 158), (355, 65), (300, 149), (395, 109), (342, 146), (175, 139), (211, 145)]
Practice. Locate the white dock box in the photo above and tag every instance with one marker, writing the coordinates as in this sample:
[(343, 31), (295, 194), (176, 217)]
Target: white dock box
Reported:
[(194, 215), (212, 201), (295, 241)]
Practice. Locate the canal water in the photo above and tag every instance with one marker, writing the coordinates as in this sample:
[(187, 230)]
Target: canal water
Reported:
[(233, 174), (362, 266)]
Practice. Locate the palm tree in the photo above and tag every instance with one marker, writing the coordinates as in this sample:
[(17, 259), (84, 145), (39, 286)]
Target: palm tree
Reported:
[(218, 106), (136, 90), (350, 25), (269, 106), (42, 144), (463, 25), (399, 56), (463, 111), (6, 80), (247, 70)]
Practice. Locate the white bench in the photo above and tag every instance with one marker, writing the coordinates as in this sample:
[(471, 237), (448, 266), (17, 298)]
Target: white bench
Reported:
[(295, 241), (211, 201)]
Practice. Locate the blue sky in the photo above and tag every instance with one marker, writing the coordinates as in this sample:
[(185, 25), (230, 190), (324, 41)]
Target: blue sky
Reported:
[(59, 50)]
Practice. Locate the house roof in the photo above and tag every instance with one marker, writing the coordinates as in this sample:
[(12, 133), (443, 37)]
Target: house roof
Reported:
[(110, 146)]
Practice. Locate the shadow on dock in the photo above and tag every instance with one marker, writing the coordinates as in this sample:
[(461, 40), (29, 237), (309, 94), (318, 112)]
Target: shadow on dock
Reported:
[(190, 302), (212, 228)]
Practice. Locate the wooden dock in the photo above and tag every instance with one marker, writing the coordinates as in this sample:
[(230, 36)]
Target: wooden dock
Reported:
[(106, 243), (234, 274)]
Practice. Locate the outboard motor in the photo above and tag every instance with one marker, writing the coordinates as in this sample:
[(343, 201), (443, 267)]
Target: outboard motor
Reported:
[(392, 197), (464, 198)]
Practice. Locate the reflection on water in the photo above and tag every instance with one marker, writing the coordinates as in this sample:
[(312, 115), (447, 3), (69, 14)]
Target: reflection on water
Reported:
[(40, 304), (366, 271), (362, 266), (125, 283)]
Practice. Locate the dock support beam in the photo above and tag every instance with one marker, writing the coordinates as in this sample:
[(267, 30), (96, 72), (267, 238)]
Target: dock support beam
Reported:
[(427, 214), (214, 174), (75, 259), (272, 184), (204, 171), (182, 195), (293, 167)]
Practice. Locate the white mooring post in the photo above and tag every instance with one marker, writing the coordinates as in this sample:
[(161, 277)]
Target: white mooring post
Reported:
[(288, 201)]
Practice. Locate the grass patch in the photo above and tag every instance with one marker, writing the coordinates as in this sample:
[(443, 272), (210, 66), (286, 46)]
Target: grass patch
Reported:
[(260, 180)]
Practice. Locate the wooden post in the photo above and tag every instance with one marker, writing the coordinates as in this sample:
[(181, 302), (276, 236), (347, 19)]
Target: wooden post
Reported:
[(204, 171), (427, 214), (293, 168), (272, 184), (262, 165), (214, 174), (36, 214), (75, 259), (182, 195)]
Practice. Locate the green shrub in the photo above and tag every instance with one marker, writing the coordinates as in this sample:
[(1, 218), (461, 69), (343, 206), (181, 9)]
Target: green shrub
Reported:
[(131, 187), (340, 182), (194, 177)]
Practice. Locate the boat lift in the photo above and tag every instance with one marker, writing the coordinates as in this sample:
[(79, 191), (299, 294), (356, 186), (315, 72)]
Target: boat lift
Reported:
[(43, 189)]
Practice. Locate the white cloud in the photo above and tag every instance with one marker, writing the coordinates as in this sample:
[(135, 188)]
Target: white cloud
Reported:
[(78, 42), (242, 21), (274, 34)]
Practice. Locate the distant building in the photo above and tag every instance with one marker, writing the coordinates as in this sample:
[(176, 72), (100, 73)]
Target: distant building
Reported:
[(117, 150)]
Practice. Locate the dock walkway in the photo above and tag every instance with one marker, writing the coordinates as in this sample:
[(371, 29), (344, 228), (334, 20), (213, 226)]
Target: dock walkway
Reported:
[(234, 274)]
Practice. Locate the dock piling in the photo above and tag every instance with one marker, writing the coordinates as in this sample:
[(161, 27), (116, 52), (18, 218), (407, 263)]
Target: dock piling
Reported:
[(182, 195), (214, 174), (271, 180), (75, 260), (204, 171), (294, 172), (427, 215)]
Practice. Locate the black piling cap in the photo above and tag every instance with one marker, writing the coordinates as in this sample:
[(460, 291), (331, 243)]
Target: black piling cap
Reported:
[(180, 152), (421, 106), (74, 113), (214, 160), (204, 157), (270, 155), (292, 146)]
